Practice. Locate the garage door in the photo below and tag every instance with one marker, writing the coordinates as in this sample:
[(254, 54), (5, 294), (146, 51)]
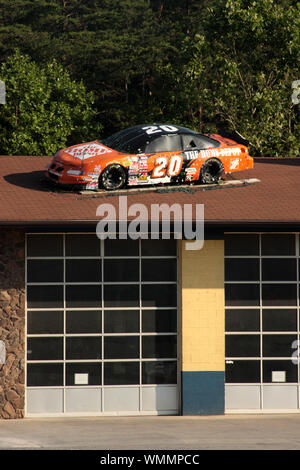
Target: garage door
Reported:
[(101, 325), (262, 322)]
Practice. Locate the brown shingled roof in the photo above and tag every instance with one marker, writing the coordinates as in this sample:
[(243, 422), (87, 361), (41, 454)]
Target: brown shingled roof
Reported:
[(24, 199)]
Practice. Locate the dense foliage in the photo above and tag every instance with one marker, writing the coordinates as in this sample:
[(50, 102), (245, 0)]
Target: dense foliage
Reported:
[(45, 109), (206, 64)]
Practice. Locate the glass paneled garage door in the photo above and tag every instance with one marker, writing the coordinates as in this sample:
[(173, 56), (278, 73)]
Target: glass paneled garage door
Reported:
[(101, 325), (262, 322)]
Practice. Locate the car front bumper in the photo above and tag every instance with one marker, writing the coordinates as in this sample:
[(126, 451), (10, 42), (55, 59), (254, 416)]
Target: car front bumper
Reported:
[(63, 177)]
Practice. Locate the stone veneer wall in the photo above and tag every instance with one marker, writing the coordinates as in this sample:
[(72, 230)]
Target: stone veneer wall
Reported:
[(12, 322)]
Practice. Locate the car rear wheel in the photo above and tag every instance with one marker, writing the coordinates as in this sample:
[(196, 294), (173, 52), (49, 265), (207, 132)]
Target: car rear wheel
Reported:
[(113, 177), (211, 171)]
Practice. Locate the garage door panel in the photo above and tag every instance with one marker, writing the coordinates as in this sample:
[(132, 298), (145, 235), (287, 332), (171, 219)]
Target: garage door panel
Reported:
[(83, 400), (262, 371), (46, 400), (278, 397), (244, 397), (121, 399), (160, 398), (101, 324)]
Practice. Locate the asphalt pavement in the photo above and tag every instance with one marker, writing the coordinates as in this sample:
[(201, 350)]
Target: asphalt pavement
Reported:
[(229, 432)]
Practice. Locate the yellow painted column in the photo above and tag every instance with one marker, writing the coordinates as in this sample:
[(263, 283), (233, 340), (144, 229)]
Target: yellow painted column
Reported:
[(203, 328)]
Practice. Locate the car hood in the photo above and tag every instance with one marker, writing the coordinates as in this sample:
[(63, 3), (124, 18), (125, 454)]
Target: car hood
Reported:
[(77, 154)]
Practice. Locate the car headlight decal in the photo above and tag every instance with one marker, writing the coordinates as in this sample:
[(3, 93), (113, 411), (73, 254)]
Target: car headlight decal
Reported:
[(74, 172)]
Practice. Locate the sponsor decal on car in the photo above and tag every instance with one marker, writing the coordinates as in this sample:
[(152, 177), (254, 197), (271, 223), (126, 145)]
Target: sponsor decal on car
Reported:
[(87, 151), (191, 154), (92, 185), (223, 152), (189, 173), (94, 180), (132, 181), (143, 169), (133, 169), (234, 164), (163, 179), (143, 163)]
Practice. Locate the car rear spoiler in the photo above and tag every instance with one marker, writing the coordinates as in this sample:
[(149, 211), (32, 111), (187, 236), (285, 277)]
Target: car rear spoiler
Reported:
[(234, 136)]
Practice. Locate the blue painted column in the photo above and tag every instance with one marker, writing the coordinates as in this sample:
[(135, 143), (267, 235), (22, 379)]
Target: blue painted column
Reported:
[(202, 393)]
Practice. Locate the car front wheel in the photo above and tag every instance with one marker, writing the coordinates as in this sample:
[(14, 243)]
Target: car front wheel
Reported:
[(113, 177)]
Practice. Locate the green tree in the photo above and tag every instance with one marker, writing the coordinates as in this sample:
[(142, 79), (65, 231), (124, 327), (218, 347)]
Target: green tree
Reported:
[(205, 64), (240, 72), (117, 47), (45, 109)]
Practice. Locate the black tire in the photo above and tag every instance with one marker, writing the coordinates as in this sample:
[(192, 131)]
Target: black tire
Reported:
[(113, 177), (211, 171)]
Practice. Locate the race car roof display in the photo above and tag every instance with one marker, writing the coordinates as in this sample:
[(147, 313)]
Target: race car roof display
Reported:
[(148, 154)]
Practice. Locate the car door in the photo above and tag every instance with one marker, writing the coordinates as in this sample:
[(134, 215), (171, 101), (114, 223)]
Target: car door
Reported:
[(164, 156)]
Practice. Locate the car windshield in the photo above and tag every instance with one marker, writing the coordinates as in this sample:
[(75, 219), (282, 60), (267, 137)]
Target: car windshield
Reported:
[(121, 140)]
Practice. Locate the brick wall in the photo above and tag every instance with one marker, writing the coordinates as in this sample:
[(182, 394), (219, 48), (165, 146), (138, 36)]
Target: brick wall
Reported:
[(12, 322)]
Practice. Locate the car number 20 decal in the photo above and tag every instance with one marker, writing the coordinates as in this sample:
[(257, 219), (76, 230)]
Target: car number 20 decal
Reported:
[(163, 166), (154, 129)]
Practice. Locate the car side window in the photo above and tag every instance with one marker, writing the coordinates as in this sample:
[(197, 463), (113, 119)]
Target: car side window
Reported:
[(164, 143), (135, 145), (200, 142)]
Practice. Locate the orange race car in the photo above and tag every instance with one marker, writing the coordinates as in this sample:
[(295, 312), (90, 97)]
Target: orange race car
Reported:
[(148, 154)]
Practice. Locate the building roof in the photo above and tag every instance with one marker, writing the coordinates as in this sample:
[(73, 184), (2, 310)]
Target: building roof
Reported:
[(26, 200)]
